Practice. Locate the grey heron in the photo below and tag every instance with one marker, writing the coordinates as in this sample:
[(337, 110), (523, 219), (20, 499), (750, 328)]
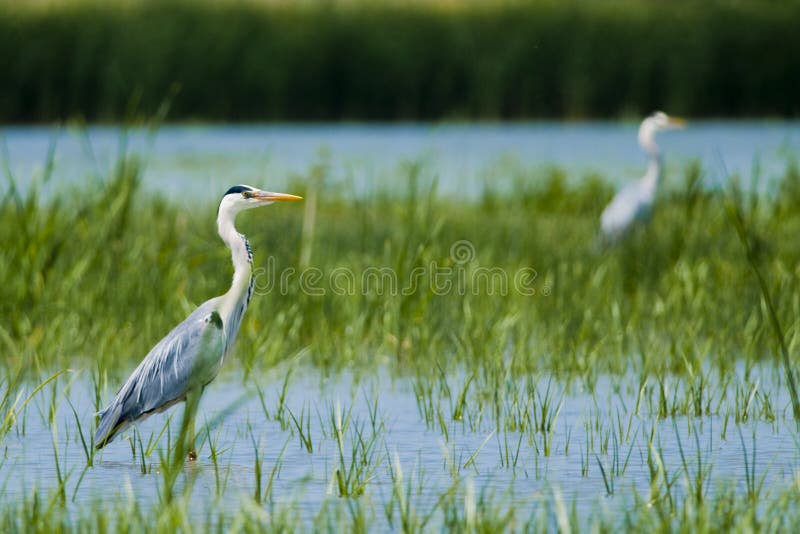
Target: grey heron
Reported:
[(190, 356), (634, 202)]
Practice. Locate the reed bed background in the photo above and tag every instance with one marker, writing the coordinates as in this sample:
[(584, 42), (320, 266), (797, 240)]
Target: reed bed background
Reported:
[(249, 61)]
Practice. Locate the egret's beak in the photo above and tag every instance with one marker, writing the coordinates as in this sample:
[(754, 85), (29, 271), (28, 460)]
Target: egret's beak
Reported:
[(676, 122), (267, 196)]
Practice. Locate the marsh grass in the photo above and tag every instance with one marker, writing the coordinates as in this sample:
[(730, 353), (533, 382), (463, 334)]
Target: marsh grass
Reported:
[(671, 323), (575, 328), (749, 241)]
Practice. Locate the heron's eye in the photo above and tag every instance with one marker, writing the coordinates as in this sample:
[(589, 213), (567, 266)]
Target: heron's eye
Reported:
[(247, 194)]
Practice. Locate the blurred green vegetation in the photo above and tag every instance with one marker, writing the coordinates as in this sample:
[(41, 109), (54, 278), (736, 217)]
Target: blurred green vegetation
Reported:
[(94, 277), (391, 61)]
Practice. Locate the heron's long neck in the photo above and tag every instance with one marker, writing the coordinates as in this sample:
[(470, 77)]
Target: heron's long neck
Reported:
[(235, 301)]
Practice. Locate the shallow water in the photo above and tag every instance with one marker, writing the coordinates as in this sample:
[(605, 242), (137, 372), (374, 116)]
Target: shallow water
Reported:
[(203, 160), (304, 480)]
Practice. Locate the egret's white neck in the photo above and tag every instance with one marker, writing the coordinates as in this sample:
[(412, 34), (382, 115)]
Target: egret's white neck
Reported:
[(653, 174), (647, 140), (234, 302)]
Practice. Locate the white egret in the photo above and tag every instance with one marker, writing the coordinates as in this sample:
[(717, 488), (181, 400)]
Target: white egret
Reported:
[(633, 203)]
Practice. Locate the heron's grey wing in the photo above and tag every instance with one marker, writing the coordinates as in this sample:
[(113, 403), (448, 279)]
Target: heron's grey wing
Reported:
[(189, 356)]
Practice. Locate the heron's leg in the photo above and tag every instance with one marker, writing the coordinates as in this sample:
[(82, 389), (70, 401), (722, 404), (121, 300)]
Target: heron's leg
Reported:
[(192, 455), (192, 401)]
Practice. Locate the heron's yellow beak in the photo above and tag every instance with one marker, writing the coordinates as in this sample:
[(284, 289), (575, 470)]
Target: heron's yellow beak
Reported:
[(677, 122), (274, 197)]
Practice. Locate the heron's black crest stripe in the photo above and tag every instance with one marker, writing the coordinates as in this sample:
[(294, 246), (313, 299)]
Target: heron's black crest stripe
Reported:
[(238, 189), (252, 280), (249, 250)]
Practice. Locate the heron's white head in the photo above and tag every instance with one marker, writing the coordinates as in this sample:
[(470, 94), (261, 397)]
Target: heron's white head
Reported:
[(244, 197), (656, 122)]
